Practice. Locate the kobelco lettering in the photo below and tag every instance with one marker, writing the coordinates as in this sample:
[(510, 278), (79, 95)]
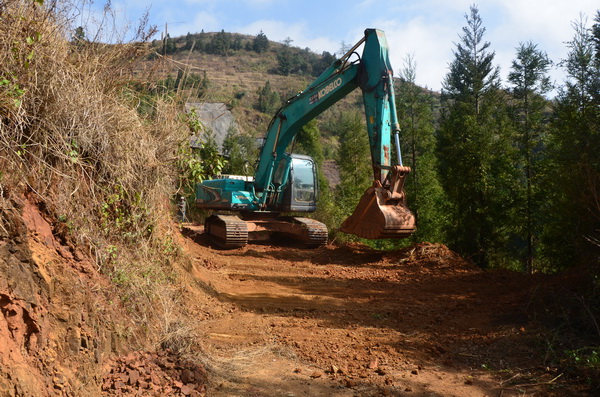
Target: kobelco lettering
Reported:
[(330, 87)]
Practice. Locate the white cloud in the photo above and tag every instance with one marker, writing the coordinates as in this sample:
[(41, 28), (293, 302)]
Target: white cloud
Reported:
[(430, 45), (279, 31), (547, 24), (202, 21)]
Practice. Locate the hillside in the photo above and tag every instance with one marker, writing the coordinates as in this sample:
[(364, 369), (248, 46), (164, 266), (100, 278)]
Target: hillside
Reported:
[(238, 77)]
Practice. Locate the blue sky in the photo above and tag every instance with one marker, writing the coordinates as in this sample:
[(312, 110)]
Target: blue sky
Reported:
[(425, 29)]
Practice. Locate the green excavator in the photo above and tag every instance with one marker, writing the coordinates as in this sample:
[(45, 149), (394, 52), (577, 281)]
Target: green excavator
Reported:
[(254, 208)]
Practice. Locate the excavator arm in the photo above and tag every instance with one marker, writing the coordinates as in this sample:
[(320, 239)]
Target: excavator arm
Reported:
[(383, 204)]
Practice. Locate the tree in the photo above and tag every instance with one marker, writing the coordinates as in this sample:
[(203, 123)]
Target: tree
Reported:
[(189, 42), (240, 151), (289, 60), (260, 43), (220, 43), (574, 171), (476, 157), (309, 141), (354, 162), (203, 85), (268, 99), (472, 73), (320, 63), (79, 36), (425, 194), (530, 81), (169, 45)]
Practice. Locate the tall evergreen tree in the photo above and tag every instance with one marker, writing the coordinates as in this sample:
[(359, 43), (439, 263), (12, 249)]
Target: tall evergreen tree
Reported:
[(309, 142), (575, 144), (354, 162), (425, 195), (475, 150), (530, 81), (269, 100), (169, 45), (189, 41), (220, 43)]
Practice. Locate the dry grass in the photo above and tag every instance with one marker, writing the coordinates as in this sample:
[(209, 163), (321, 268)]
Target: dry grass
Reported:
[(70, 134)]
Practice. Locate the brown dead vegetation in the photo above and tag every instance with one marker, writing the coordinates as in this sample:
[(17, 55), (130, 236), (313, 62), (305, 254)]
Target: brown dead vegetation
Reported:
[(73, 146)]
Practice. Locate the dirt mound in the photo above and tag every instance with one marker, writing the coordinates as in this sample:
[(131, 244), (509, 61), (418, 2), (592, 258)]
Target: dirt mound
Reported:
[(432, 257), (154, 374)]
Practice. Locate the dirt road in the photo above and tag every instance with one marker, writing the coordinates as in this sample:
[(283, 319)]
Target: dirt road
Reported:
[(351, 321)]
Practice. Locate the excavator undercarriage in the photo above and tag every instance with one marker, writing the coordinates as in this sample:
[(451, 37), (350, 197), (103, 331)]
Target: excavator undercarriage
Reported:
[(231, 231)]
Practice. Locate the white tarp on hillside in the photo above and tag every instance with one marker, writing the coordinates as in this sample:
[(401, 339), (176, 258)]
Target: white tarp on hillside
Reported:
[(214, 116)]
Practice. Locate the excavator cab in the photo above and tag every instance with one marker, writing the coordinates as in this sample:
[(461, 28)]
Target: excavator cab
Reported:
[(300, 194)]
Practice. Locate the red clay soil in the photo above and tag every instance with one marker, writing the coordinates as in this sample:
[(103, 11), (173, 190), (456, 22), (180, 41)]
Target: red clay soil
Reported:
[(351, 321), (274, 320)]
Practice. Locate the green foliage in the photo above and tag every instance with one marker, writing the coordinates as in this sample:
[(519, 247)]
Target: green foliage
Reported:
[(190, 42), (472, 72), (354, 157), (426, 198), (169, 46), (268, 99), (573, 174), (530, 81), (587, 357), (290, 59), (308, 142), (124, 213), (11, 89), (354, 162), (79, 37), (240, 151), (201, 162), (220, 43), (260, 43), (476, 153)]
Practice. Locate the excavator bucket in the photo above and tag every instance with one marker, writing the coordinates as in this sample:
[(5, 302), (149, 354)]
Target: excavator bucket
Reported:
[(382, 212)]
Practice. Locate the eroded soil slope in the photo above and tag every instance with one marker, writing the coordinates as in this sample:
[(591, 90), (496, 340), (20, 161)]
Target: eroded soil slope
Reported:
[(351, 321)]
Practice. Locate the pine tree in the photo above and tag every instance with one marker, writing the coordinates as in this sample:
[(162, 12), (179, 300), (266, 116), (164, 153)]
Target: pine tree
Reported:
[(268, 99), (354, 162), (260, 43), (309, 142), (240, 151), (169, 45), (220, 43), (530, 81), (475, 152), (574, 148), (189, 42), (425, 195)]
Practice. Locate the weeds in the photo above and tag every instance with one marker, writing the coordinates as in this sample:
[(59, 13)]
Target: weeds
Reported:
[(570, 336), (72, 132)]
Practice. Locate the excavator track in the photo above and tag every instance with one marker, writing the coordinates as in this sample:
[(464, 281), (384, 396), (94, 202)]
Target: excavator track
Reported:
[(227, 231), (314, 233)]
